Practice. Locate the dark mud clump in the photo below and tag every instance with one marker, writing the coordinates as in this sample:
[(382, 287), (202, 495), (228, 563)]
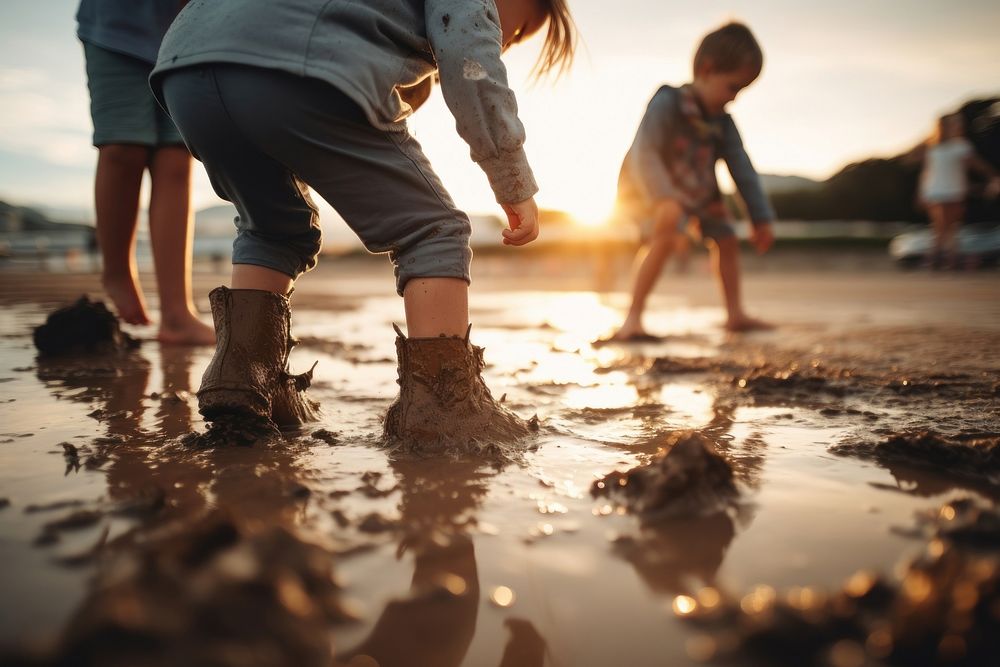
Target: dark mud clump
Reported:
[(793, 382), (85, 327), (964, 522), (214, 592), (943, 609), (688, 479), (682, 365), (971, 455), (229, 430), (914, 398)]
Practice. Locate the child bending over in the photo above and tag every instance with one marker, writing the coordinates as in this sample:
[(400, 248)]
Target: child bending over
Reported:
[(667, 182), (276, 96)]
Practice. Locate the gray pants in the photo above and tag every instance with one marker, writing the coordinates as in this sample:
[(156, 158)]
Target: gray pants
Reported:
[(265, 135)]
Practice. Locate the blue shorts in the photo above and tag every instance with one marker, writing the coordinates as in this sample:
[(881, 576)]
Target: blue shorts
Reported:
[(122, 106), (698, 228)]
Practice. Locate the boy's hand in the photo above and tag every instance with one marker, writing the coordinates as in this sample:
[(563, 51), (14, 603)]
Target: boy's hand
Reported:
[(762, 237), (523, 220)]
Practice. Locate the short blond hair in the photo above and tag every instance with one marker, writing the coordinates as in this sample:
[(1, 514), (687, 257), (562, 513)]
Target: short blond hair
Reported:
[(728, 49), (560, 40)]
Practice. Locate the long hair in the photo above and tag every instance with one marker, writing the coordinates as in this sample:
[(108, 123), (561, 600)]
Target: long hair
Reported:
[(560, 40)]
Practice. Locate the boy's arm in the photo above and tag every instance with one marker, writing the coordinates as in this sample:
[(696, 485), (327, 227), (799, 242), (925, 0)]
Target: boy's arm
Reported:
[(466, 39), (647, 154), (745, 176)]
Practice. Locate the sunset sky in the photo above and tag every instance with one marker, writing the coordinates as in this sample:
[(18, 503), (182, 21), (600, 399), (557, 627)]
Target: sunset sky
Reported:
[(842, 81)]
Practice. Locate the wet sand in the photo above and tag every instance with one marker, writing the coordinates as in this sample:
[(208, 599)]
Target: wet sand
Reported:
[(873, 405)]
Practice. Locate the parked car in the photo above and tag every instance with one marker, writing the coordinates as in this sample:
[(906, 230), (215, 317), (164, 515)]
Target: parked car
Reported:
[(979, 243)]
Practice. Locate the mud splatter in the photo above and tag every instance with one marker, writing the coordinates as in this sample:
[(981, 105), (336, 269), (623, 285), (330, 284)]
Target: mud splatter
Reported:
[(940, 610), (965, 522), (445, 408), (77, 520), (232, 430), (970, 455), (329, 437), (473, 71), (210, 591)]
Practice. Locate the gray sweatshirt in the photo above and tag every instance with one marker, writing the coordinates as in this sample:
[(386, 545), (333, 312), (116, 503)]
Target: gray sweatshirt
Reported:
[(367, 49)]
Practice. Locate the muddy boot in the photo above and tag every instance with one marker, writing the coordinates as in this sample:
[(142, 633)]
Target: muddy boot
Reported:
[(290, 405), (247, 378), (444, 405)]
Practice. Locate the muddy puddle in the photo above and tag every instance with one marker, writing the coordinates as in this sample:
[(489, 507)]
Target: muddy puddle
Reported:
[(837, 451)]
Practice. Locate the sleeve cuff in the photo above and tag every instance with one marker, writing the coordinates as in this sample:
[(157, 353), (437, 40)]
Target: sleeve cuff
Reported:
[(510, 176), (764, 217)]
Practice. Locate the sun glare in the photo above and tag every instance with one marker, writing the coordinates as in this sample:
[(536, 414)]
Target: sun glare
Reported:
[(589, 211)]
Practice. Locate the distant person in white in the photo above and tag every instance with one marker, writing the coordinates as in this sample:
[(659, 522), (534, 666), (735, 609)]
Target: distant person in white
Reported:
[(944, 185)]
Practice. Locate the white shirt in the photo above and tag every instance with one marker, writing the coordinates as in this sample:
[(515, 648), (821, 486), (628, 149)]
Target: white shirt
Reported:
[(944, 176)]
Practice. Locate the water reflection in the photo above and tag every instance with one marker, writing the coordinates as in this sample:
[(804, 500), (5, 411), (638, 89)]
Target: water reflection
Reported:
[(434, 622), (679, 556), (150, 476), (925, 484)]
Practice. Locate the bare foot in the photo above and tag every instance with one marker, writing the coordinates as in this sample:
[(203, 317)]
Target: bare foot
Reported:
[(188, 331), (628, 334), (747, 323), (125, 292)]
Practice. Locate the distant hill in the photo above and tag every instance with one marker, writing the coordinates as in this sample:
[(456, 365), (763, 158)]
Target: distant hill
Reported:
[(885, 189), (778, 184), (27, 219)]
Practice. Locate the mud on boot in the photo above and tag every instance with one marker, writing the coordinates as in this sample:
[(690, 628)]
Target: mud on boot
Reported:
[(248, 376), (290, 405), (444, 406)]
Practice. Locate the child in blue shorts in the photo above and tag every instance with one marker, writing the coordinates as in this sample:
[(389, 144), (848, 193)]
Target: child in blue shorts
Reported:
[(276, 96), (132, 135), (667, 182)]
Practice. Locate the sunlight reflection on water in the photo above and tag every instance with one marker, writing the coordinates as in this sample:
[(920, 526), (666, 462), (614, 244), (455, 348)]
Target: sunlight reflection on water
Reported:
[(529, 534)]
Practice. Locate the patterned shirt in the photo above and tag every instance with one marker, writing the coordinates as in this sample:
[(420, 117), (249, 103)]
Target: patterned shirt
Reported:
[(674, 153)]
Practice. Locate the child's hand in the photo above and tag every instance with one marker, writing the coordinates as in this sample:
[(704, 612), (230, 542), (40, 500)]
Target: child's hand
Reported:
[(523, 220), (762, 237), (717, 210), (993, 188)]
